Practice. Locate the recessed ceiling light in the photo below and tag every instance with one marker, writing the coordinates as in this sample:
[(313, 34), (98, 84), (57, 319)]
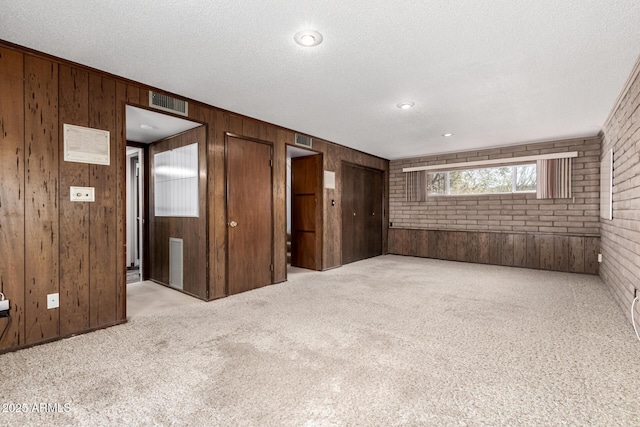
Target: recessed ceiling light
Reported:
[(308, 38), (446, 135), (148, 127), (406, 105)]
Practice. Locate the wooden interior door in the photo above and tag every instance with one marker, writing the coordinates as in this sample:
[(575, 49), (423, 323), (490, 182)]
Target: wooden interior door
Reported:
[(362, 213), (359, 213), (348, 220), (374, 191), (306, 212), (249, 214)]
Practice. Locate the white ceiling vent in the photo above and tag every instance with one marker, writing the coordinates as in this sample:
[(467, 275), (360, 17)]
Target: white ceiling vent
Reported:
[(303, 140), (167, 103)]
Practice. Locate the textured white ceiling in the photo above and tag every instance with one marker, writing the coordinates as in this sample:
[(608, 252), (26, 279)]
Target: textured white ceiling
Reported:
[(293, 152), (162, 125), (493, 72)]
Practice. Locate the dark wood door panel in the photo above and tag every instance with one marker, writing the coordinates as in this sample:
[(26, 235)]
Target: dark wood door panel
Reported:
[(348, 248), (306, 212), (374, 190), (304, 172), (305, 254), (359, 214), (362, 213), (249, 214), (304, 206)]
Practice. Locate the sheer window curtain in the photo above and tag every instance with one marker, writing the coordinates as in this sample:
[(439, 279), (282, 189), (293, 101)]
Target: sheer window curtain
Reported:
[(416, 186), (554, 179)]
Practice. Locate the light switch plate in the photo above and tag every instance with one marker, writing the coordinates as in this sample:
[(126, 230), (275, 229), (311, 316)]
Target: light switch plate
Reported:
[(53, 301), (82, 194)]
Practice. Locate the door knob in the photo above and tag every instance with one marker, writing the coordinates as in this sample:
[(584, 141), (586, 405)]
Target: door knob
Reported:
[(354, 214), (233, 224)]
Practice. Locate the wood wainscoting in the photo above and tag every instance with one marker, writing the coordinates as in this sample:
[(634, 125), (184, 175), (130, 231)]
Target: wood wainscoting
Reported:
[(556, 252)]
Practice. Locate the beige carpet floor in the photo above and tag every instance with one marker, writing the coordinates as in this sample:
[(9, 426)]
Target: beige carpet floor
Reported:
[(382, 342), (148, 298)]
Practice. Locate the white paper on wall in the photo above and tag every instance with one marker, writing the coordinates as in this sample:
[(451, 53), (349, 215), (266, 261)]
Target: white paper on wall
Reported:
[(330, 180), (86, 145)]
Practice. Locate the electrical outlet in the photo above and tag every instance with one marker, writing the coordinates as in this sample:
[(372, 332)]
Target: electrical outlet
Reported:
[(53, 301), (599, 257), (4, 305)]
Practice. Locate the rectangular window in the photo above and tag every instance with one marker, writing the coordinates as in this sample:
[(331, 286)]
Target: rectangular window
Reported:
[(176, 182), (495, 180)]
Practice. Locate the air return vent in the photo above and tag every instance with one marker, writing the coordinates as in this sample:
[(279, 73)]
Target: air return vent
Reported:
[(176, 250), (303, 140), (167, 103)]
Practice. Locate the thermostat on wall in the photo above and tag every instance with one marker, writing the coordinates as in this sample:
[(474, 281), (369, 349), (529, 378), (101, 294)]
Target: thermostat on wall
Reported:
[(82, 194)]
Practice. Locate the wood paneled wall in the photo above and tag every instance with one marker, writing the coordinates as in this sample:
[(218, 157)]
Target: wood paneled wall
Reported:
[(41, 191), (575, 254), (12, 193), (334, 156), (50, 245), (78, 249), (192, 231)]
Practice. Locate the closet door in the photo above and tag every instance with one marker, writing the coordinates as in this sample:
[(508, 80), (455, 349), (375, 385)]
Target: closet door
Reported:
[(362, 213), (359, 213), (374, 213), (348, 217)]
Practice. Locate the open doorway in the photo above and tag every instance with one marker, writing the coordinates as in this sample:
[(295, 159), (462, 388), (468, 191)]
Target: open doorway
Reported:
[(135, 213), (304, 208), (165, 210)]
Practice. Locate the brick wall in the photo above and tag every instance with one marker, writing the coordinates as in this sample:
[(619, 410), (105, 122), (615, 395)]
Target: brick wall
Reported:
[(509, 212), (620, 244)]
